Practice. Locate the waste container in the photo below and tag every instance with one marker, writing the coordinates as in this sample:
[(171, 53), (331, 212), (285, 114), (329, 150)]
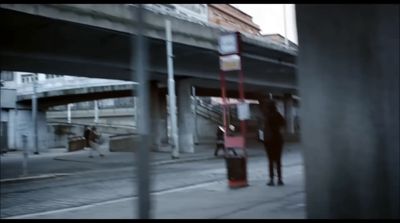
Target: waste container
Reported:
[(76, 143), (237, 171)]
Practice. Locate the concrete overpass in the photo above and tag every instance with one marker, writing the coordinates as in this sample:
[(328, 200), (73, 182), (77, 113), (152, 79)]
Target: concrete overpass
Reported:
[(94, 41), (72, 90)]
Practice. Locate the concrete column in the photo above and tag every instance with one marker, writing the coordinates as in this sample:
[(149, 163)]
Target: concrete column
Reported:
[(96, 111), (12, 129), (23, 127), (155, 115), (185, 117), (348, 73), (69, 113), (194, 108), (163, 124), (289, 113)]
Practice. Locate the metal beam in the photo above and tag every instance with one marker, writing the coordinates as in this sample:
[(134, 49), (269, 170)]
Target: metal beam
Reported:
[(269, 60)]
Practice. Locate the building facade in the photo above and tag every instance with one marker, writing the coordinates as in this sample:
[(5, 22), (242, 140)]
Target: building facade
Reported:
[(223, 15), (190, 12), (229, 17), (16, 119)]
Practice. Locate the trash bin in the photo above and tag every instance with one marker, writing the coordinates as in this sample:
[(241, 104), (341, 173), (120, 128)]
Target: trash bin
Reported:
[(237, 171), (76, 143)]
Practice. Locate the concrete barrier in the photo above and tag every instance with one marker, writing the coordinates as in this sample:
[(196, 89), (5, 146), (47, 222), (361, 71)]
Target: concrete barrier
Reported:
[(124, 143), (76, 143)]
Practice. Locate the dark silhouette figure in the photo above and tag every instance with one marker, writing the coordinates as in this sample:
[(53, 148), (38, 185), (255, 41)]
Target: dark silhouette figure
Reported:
[(94, 137), (273, 139), (86, 135), (220, 140)]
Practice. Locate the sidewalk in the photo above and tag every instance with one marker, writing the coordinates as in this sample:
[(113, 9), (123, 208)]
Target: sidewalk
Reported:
[(214, 201), (59, 162), (208, 200)]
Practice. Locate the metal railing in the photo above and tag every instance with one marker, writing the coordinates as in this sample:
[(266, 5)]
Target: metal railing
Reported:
[(215, 114)]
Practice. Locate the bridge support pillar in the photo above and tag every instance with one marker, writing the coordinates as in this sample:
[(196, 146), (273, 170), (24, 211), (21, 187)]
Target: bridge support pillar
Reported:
[(158, 111), (185, 116), (163, 123)]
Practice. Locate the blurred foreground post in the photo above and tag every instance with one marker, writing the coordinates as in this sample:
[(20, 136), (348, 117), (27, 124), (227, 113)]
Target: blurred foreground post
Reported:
[(143, 172)]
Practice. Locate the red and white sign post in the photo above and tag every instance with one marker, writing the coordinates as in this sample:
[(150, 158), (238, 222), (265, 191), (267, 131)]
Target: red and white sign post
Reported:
[(230, 62)]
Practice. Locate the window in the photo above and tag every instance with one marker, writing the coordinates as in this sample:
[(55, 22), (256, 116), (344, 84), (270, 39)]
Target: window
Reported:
[(7, 76), (51, 76), (27, 78)]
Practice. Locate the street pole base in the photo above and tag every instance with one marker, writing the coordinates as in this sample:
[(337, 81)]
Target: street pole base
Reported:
[(237, 183), (36, 153), (175, 157)]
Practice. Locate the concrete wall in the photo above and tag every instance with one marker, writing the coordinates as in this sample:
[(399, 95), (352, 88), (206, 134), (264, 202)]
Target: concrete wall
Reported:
[(348, 69), (8, 98), (58, 134), (206, 129), (124, 143), (121, 116), (24, 126), (7, 115)]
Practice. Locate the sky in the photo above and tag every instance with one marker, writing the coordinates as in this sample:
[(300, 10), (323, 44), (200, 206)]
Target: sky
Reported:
[(270, 18)]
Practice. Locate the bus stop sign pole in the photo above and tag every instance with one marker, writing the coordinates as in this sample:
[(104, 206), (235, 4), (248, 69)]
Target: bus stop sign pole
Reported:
[(230, 60)]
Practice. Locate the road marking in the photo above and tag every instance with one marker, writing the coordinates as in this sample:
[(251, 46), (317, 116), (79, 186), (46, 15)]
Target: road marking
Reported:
[(187, 187), (113, 201)]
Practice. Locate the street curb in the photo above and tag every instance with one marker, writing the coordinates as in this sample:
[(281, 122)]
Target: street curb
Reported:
[(37, 177), (184, 160)]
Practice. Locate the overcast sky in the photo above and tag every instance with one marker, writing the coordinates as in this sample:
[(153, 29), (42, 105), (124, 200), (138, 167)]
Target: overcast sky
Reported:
[(270, 18)]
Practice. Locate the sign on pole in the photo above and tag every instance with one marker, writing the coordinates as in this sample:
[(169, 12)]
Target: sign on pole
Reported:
[(230, 62), (243, 111), (228, 44)]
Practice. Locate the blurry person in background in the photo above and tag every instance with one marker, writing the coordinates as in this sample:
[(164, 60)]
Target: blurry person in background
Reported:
[(221, 141), (86, 135), (94, 137), (273, 139)]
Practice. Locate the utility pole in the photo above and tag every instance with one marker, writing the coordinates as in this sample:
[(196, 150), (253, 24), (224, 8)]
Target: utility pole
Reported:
[(171, 92), (34, 114), (143, 171)]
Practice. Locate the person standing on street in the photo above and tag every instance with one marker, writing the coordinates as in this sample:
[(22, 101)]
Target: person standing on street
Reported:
[(273, 139), (86, 135), (93, 139), (220, 140)]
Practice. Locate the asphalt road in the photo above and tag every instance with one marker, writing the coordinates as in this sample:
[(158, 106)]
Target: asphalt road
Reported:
[(30, 198)]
